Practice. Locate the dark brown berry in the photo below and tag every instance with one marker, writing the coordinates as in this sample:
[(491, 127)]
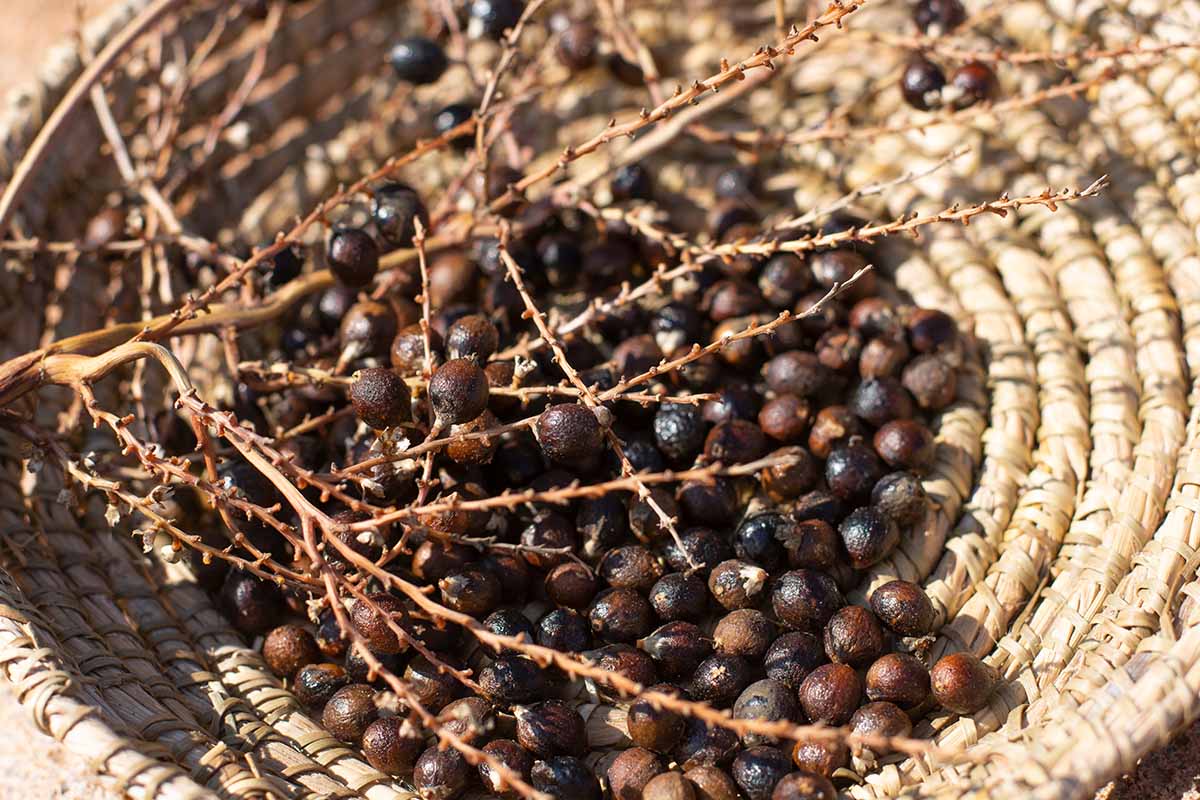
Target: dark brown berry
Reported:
[(418, 60), (472, 337), (367, 329), (880, 400), (434, 687), (603, 523), (830, 694), (868, 536), (288, 648), (745, 632), (380, 398), (551, 728), (548, 530), (853, 636), (361, 670), (905, 444), (735, 584), (435, 559), (353, 257), (735, 442), (370, 618), (820, 756), (903, 608), (805, 599), (677, 648), (348, 713), (788, 480), (880, 719), (466, 448), (316, 683), (900, 497), (510, 754), (253, 605), (472, 591), (922, 83), (512, 679), (785, 418), (621, 615), (630, 771), (570, 434), (626, 660), (669, 786), (571, 585), (679, 432), (783, 279), (818, 504), (709, 502), (796, 372), (564, 629), (833, 426), (704, 744), (565, 777), (441, 774), (408, 350), (458, 391), (719, 679), (703, 547), (577, 46), (812, 544), (397, 206), (630, 567), (767, 700), (804, 786), (930, 330), (835, 267), (470, 718), (931, 381), (882, 357), (652, 727), (975, 82), (679, 596), (898, 678), (759, 539), (645, 519), (392, 745), (756, 770), (962, 683), (711, 783), (938, 17), (852, 470), (792, 656)]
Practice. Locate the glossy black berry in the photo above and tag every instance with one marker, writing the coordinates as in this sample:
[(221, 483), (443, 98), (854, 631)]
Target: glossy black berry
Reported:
[(394, 209), (975, 83), (679, 596), (852, 470), (922, 84), (938, 17), (353, 256), (450, 118), (900, 497), (632, 182), (565, 777), (492, 18), (719, 679), (418, 60), (756, 770), (759, 540), (868, 536), (792, 656), (564, 630), (805, 599)]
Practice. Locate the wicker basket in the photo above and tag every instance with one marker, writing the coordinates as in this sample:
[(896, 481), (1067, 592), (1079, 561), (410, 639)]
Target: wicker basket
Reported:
[(1065, 544)]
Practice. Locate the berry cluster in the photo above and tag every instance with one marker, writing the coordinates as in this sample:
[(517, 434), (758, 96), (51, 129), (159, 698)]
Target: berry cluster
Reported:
[(924, 83)]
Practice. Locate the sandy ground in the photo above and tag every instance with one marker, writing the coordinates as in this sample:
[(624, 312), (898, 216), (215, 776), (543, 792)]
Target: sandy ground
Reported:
[(33, 766)]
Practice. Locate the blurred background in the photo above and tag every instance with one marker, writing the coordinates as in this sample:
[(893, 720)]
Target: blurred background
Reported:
[(28, 27)]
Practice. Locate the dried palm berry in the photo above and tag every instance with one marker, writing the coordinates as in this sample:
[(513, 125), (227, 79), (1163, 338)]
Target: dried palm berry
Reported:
[(348, 713), (632, 182), (395, 209), (392, 745), (836, 267), (367, 330), (472, 591), (651, 726), (316, 683), (602, 522), (734, 400), (380, 398), (880, 719), (516, 758), (361, 670), (621, 615), (830, 694), (253, 605), (783, 279), (679, 432), (570, 434), (745, 632), (679, 596), (797, 473), (458, 391), (735, 442), (820, 756), (577, 46), (630, 567), (729, 299), (449, 118), (451, 277), (792, 656), (832, 427), (564, 630), (510, 622), (868, 536), (283, 267), (704, 744), (882, 358), (805, 599), (669, 786), (962, 683), (811, 544), (288, 648), (512, 679), (630, 771), (418, 60), (571, 585), (931, 330), (922, 83), (677, 647), (626, 660), (931, 381), (711, 783), (898, 678), (766, 700), (441, 774), (875, 316), (900, 497), (549, 530), (646, 513), (565, 777), (853, 636), (551, 728), (371, 616), (408, 349), (785, 418), (466, 448), (492, 18), (433, 687), (735, 584), (435, 559), (839, 349), (975, 83), (700, 549), (756, 770), (709, 502), (904, 608), (795, 372), (719, 679), (880, 400), (803, 786), (472, 337), (818, 504), (905, 444), (353, 257), (938, 17)]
